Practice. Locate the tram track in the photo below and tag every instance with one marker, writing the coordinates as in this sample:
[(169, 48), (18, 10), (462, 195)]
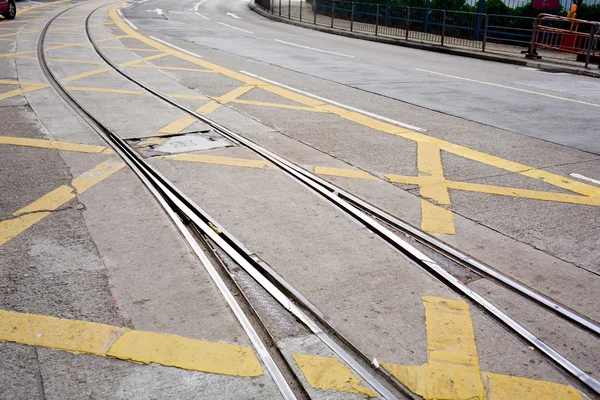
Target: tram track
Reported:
[(178, 205)]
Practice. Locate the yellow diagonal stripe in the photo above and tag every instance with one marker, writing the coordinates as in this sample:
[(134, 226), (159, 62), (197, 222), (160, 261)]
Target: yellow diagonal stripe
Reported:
[(125, 344), (346, 173), (327, 373), (40, 208), (52, 144)]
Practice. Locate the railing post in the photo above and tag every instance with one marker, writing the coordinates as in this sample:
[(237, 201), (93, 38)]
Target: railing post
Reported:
[(316, 9), (289, 9), (377, 20), (590, 45), (407, 21), (280, 8), (332, 11), (485, 30), (532, 51), (352, 16), (443, 25), (300, 10)]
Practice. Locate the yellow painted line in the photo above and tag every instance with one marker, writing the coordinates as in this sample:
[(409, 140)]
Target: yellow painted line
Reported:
[(17, 92), (206, 159), (234, 94), (373, 123), (21, 83), (104, 90), (434, 219), (513, 387), (52, 144), (127, 344), (187, 96), (501, 190), (276, 105), (128, 48), (85, 74), (40, 208), (144, 59), (450, 336), (525, 193), (62, 45), (452, 371), (28, 9), (68, 60), (176, 68), (178, 126), (345, 173), (67, 29), (182, 123), (327, 373)]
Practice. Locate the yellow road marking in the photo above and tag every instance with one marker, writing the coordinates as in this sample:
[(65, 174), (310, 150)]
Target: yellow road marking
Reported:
[(184, 122), (501, 190), (28, 9), (128, 48), (67, 60), (85, 74), (127, 344), (144, 59), (104, 90), (179, 125), (452, 371), (52, 144), (346, 173), (40, 208), (13, 82), (327, 373), (176, 68), (108, 69), (16, 92), (433, 217), (276, 105), (187, 96), (206, 159)]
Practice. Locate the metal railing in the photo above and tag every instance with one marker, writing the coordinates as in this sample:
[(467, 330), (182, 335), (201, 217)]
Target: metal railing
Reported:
[(566, 35), (505, 33)]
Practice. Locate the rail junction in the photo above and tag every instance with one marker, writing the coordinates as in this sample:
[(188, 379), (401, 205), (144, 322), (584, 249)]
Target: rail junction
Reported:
[(203, 203)]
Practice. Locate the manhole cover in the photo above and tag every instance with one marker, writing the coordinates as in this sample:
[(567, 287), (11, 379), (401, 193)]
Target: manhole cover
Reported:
[(184, 143)]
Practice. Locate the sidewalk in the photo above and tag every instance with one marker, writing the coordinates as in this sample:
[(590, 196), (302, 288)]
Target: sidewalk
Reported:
[(300, 13)]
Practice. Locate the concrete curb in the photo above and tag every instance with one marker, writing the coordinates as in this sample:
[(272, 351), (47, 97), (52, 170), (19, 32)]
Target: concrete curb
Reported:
[(430, 47)]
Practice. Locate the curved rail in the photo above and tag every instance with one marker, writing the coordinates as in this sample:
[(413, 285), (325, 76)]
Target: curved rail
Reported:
[(356, 208), (140, 169), (350, 204), (178, 205)]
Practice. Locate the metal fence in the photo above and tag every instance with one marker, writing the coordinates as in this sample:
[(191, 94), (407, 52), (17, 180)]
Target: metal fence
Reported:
[(485, 32), (457, 28)]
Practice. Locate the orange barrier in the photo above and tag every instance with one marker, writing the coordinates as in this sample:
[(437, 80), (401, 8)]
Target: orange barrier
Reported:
[(565, 34)]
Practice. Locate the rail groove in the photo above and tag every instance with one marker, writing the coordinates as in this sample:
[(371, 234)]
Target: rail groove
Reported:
[(370, 216)]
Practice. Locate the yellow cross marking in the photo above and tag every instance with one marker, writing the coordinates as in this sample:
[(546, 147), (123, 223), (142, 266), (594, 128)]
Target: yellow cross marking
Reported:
[(452, 371), (127, 344), (42, 207), (433, 187)]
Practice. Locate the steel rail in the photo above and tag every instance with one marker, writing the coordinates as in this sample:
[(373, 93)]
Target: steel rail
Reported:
[(449, 251), (140, 169), (316, 184)]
